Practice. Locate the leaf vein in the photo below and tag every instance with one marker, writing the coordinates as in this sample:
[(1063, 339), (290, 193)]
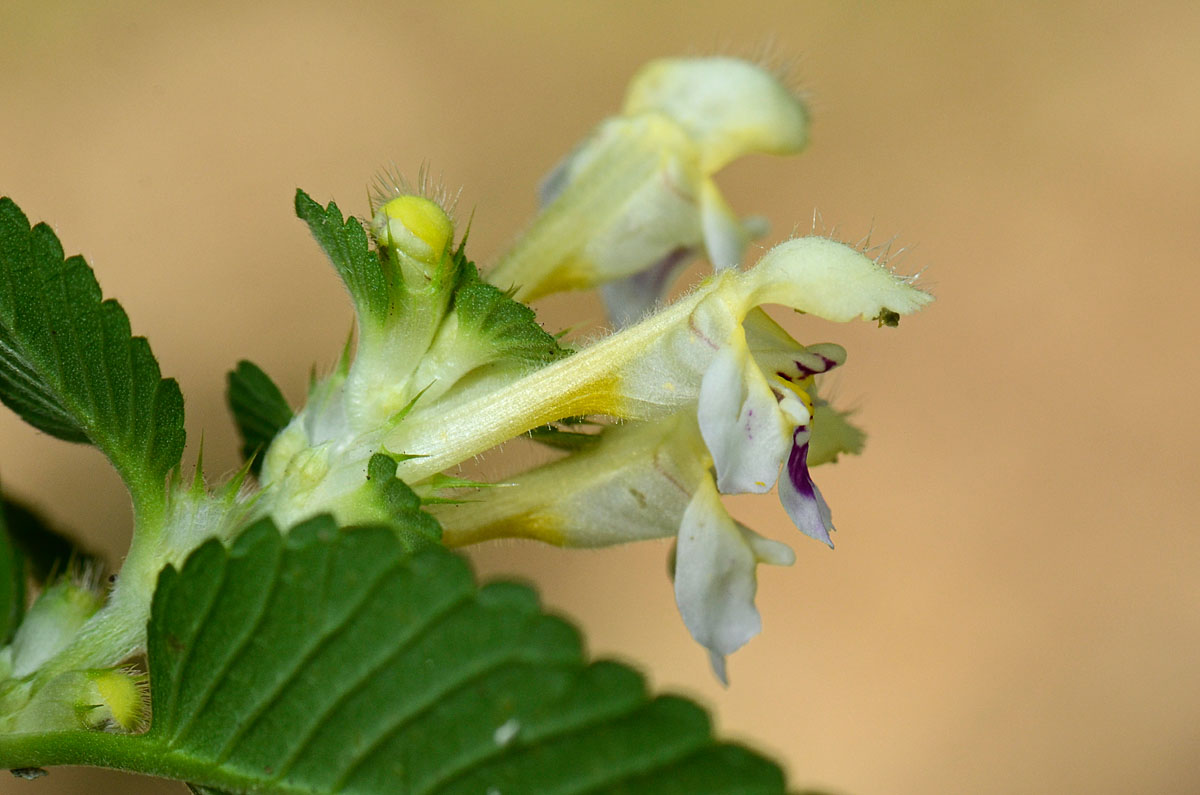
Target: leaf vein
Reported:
[(429, 701), (654, 762), (189, 644), (401, 645), (561, 731), (31, 384), (248, 633), (322, 640)]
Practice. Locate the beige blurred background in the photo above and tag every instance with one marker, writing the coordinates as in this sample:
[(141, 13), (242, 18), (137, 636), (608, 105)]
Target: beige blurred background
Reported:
[(1014, 603)]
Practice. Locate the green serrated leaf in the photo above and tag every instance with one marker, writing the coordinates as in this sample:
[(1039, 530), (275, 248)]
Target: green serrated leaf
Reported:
[(69, 366), (259, 409), (345, 242), (48, 552), (331, 660), (426, 683), (12, 584), (490, 316)]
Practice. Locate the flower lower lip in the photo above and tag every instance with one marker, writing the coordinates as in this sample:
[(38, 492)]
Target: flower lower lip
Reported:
[(800, 496), (797, 468)]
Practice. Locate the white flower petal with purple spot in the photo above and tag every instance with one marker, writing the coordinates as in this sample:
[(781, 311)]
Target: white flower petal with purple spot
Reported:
[(800, 496)]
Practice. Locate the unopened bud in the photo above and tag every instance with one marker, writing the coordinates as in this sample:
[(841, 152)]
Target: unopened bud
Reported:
[(117, 697), (415, 226), (91, 699), (51, 624)]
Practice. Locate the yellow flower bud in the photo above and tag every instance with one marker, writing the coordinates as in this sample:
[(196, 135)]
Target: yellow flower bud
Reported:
[(417, 226), (119, 698)]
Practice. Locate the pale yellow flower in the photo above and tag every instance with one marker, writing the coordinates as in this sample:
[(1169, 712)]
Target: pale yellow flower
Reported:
[(637, 199)]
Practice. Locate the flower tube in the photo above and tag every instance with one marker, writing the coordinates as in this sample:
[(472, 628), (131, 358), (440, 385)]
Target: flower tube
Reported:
[(658, 366)]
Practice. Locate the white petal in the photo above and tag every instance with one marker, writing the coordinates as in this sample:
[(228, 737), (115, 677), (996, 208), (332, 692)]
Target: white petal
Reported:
[(768, 550), (714, 578), (724, 236), (800, 496), (741, 423), (792, 407), (717, 661)]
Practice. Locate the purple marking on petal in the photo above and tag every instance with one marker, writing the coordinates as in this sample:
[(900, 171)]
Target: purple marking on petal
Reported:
[(699, 334), (800, 496), (797, 467), (804, 371)]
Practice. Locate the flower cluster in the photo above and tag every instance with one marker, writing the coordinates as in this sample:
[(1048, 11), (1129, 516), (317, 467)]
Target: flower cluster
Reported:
[(716, 398), (706, 396)]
